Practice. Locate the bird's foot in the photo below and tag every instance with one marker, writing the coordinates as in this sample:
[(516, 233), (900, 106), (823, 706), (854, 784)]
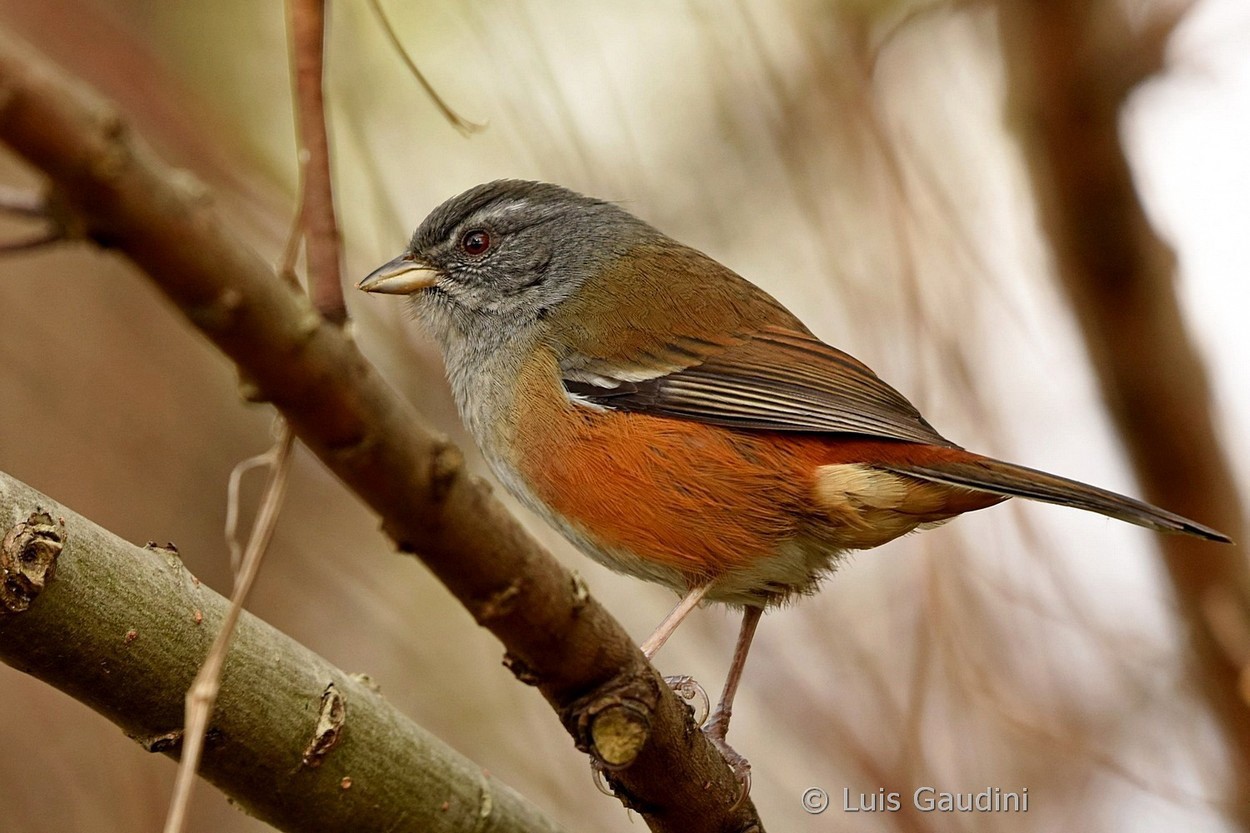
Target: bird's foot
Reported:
[(715, 730), (694, 695)]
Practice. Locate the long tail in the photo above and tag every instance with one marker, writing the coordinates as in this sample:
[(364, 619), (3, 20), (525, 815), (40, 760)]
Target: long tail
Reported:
[(988, 475)]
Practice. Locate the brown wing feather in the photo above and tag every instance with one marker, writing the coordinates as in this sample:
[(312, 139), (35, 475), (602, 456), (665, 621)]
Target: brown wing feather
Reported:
[(773, 381), (760, 368)]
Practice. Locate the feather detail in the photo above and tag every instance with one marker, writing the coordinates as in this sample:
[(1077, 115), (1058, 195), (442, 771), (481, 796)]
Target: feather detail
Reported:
[(773, 379), (972, 471)]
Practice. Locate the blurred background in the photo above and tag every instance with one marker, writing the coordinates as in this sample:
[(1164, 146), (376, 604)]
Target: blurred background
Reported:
[(873, 165)]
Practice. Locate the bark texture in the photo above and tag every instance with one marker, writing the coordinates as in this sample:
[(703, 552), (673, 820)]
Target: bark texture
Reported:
[(294, 740)]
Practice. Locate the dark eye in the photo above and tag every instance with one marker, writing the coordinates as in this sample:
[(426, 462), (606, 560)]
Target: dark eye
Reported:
[(475, 242)]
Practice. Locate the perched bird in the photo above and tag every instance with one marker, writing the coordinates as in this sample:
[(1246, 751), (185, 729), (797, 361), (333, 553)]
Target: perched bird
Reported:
[(674, 420)]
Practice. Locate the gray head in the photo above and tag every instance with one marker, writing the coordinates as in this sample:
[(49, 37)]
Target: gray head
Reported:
[(496, 259)]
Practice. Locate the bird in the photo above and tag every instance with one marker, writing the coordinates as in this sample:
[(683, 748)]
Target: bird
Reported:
[(675, 421)]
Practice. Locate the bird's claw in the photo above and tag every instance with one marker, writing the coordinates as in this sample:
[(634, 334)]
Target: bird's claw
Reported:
[(694, 695), (598, 775)]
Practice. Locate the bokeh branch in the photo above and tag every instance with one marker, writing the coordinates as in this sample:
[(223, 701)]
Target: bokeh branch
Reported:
[(297, 742), (316, 208), (1071, 64), (557, 637)]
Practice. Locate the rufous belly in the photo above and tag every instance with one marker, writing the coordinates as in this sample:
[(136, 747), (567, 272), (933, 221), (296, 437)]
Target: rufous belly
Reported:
[(758, 515)]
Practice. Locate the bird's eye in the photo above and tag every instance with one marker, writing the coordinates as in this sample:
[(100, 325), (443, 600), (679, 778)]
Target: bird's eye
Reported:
[(475, 242)]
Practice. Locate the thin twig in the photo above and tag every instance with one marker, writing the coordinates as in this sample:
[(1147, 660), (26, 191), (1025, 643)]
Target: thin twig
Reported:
[(23, 202), (320, 228), (290, 252), (203, 692), (29, 204), (268, 458), (457, 121), (315, 222)]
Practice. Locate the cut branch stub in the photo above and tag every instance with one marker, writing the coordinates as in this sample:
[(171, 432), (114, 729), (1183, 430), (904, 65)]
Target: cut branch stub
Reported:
[(614, 723), (28, 560), (619, 732)]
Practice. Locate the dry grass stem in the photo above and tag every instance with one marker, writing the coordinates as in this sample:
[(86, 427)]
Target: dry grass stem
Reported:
[(203, 692)]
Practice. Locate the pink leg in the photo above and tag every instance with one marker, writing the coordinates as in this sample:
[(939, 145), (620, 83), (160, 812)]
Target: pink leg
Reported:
[(718, 726), (657, 639)]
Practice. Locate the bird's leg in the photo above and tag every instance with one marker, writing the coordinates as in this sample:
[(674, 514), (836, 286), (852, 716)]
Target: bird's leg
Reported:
[(718, 726), (657, 639), (685, 687)]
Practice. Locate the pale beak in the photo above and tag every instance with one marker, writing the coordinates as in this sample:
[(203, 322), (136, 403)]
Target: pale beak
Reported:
[(399, 277)]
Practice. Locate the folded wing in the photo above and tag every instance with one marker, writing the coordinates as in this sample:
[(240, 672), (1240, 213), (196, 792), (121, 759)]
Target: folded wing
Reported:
[(772, 379)]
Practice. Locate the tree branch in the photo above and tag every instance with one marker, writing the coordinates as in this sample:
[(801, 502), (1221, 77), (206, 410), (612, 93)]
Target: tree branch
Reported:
[(299, 743), (557, 637)]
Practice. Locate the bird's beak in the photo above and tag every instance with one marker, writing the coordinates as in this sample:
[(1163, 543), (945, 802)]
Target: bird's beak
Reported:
[(399, 277)]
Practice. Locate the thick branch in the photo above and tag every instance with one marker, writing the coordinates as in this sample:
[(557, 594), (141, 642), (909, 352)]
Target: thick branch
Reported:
[(557, 637), (298, 742), (1071, 63)]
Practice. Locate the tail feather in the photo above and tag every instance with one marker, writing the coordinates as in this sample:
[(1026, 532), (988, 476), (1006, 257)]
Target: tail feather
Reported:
[(985, 474)]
